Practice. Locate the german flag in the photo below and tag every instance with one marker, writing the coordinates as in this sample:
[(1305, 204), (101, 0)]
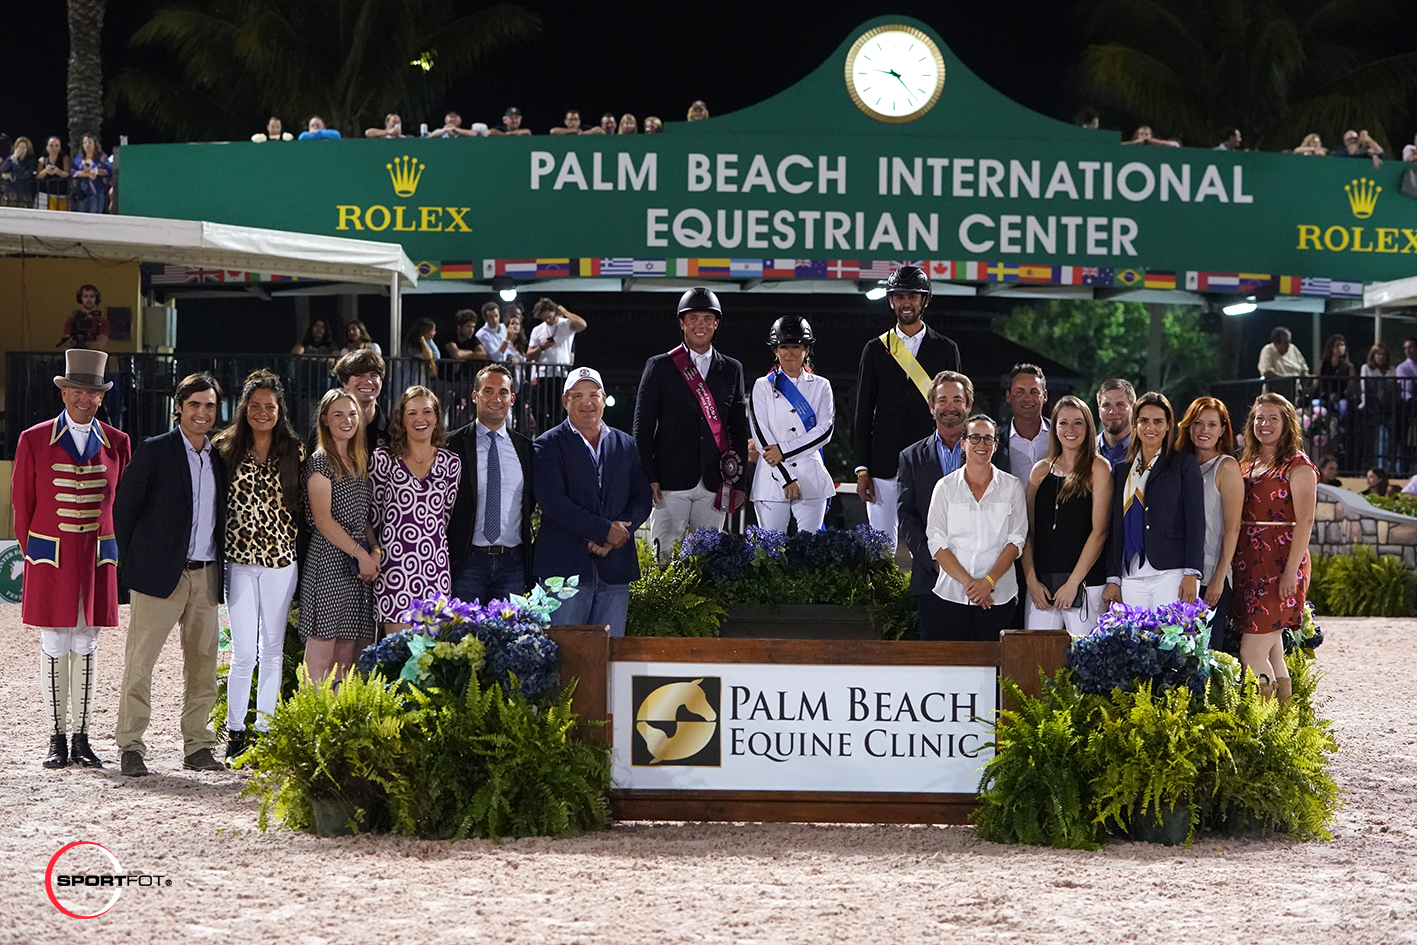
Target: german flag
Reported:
[(457, 270), (1159, 280)]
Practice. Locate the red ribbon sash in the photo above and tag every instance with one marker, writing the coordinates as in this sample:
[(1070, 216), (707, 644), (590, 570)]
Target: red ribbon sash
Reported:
[(730, 466)]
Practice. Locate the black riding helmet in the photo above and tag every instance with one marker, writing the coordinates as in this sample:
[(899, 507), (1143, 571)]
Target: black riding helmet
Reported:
[(790, 330), (699, 299), (909, 279)]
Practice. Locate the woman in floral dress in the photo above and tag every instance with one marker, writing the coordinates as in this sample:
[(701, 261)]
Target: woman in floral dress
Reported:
[(1272, 560), (415, 483)]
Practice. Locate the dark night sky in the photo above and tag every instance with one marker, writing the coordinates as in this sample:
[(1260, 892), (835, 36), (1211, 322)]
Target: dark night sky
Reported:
[(636, 56)]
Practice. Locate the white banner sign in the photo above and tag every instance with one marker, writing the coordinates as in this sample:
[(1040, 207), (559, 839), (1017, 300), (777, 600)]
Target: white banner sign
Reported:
[(785, 727)]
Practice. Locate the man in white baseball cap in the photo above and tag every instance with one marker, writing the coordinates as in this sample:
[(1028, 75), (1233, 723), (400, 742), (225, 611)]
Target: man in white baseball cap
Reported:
[(593, 495)]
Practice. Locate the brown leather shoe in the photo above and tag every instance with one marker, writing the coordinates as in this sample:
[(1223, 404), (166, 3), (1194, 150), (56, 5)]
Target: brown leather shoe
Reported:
[(202, 760)]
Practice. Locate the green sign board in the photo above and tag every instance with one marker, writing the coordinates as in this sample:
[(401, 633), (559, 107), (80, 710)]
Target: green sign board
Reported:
[(891, 151)]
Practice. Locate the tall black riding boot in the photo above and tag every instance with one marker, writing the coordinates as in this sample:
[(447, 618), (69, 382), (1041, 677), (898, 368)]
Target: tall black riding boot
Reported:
[(82, 675), (55, 671)]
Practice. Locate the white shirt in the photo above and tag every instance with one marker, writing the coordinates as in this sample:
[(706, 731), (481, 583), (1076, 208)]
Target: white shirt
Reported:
[(491, 340), (1411, 487), (554, 340), (594, 450), (1023, 452), (701, 361), (512, 483), (80, 434), (977, 531), (912, 342), (774, 422)]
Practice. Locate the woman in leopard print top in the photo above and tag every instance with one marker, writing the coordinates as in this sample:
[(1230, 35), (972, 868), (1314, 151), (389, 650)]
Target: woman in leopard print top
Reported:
[(264, 456)]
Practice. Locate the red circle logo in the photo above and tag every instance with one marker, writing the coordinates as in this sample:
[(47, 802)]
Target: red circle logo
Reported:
[(49, 880)]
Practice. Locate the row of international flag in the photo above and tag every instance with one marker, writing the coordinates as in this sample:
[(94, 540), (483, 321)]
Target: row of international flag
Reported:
[(942, 269)]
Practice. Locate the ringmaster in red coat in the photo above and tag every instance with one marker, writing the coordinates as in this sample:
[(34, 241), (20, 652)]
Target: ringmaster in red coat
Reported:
[(65, 476)]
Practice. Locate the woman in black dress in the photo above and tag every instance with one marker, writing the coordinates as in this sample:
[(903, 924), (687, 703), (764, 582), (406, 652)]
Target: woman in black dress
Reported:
[(1069, 504), (336, 585)]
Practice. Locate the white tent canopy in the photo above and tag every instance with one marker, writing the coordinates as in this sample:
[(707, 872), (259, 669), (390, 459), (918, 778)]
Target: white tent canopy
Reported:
[(211, 245)]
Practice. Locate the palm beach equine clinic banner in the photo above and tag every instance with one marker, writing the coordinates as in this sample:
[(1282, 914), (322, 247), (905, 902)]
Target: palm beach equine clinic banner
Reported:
[(800, 727), (819, 181)]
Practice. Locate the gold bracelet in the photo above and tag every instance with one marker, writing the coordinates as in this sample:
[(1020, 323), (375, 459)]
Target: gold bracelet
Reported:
[(990, 580), (862, 472)]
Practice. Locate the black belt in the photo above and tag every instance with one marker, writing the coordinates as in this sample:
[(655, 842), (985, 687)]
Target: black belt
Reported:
[(198, 565), (496, 549)]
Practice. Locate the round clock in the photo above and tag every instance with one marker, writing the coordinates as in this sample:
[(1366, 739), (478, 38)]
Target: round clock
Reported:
[(895, 73)]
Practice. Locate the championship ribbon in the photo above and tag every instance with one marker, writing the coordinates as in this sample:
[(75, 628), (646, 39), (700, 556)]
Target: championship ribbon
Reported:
[(907, 363), (730, 464)]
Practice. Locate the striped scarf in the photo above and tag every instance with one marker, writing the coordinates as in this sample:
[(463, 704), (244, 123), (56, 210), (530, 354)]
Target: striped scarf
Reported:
[(1134, 515)]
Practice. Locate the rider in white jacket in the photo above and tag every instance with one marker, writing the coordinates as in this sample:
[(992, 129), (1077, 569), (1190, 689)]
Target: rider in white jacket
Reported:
[(791, 411)]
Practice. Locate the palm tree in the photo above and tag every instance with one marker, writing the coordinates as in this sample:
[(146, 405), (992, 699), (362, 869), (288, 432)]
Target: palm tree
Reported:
[(1277, 69), (237, 61), (85, 71)]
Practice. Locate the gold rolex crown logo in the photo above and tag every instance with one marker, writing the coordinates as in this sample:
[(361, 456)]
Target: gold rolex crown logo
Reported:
[(405, 172), (1362, 196)]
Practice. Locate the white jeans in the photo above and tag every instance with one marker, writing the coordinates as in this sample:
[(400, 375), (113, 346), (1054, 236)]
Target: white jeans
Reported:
[(61, 641), (1152, 590), (258, 601), (1078, 621), (883, 514), (681, 512), (808, 512)]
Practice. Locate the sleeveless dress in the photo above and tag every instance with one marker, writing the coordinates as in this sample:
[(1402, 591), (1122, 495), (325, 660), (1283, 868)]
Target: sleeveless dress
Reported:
[(1214, 518), (411, 519), (1060, 531), (1263, 553), (334, 603)]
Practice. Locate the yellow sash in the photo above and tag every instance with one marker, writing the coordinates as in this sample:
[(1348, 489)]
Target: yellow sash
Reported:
[(907, 363)]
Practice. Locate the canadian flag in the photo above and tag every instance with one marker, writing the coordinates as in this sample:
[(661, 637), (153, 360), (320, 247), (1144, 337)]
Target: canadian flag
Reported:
[(941, 269)]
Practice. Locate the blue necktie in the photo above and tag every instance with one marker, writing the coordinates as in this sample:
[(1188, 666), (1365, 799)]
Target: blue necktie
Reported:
[(492, 520)]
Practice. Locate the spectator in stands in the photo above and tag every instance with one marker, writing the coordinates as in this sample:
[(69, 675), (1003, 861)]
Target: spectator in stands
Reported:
[(1144, 136), (511, 123), (1408, 369), (653, 126), (452, 128), (551, 340), (1361, 144), (1312, 145), (1231, 142), (628, 125), (1376, 402), (1409, 151), (1281, 358), (275, 131), (607, 125), (318, 340), (571, 124), (698, 111), (1339, 376), (1087, 117), (464, 346), (52, 175), (513, 314), (362, 374), (493, 334), (356, 338), (90, 172), (88, 326), (17, 175), (393, 128), (421, 352), (316, 131), (1328, 472), (977, 527), (1377, 482), (1115, 399)]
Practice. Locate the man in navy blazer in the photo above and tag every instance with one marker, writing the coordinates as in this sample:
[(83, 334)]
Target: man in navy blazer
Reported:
[(923, 464), (593, 494)]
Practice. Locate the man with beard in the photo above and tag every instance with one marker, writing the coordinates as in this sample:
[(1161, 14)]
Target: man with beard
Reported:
[(1115, 400), (923, 464), (893, 394)]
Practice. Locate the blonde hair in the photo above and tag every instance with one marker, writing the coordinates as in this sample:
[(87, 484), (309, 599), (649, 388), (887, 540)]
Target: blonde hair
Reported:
[(358, 466), (1079, 481), (26, 143)]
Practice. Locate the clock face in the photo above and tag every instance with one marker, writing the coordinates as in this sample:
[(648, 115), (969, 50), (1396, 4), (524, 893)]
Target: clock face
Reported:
[(895, 73)]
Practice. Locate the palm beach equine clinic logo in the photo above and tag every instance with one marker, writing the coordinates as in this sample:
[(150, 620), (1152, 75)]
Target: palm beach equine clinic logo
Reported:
[(12, 573), (676, 721), (84, 881)]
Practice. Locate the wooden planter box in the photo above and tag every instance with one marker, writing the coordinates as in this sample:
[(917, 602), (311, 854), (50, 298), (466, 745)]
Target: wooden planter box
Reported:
[(798, 622)]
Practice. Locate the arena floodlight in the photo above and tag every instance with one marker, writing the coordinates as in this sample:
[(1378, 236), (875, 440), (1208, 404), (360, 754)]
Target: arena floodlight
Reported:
[(1243, 307), (509, 294), (876, 294)]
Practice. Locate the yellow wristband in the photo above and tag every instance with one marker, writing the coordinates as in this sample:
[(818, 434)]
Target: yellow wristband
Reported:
[(990, 580), (862, 472)]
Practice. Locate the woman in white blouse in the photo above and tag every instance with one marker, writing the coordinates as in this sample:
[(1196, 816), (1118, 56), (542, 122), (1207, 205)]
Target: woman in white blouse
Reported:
[(976, 527), (791, 411)]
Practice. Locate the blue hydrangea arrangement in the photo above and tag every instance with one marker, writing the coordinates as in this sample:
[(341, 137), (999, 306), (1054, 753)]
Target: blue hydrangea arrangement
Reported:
[(514, 648), (1168, 645), (729, 557)]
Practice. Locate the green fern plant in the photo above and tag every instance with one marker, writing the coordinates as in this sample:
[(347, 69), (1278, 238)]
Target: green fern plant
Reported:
[(1035, 789), (1361, 584), (666, 602)]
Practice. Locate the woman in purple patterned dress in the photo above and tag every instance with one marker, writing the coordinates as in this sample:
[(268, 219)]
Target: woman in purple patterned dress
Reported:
[(415, 483)]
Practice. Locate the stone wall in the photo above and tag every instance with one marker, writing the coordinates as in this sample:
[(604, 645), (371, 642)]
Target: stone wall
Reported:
[(1343, 519)]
